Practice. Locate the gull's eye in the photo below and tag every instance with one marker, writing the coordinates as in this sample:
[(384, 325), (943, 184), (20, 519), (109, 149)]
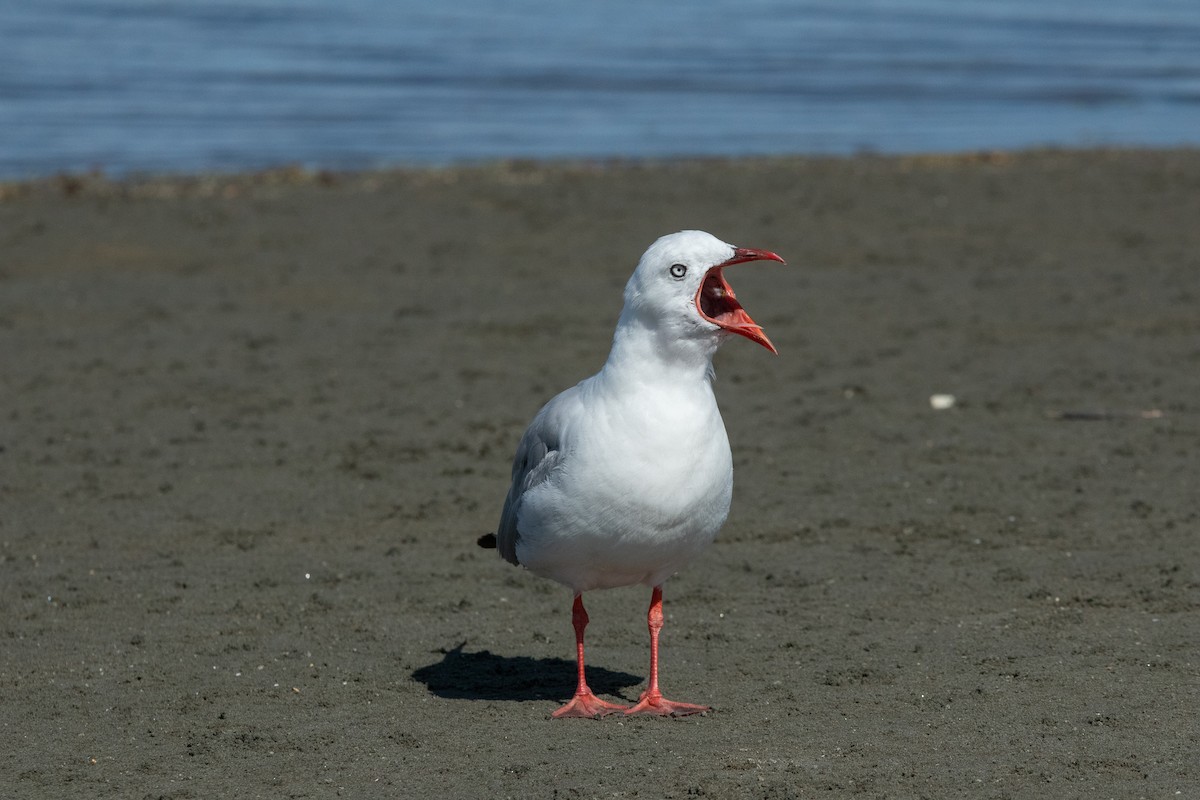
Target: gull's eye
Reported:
[(678, 271)]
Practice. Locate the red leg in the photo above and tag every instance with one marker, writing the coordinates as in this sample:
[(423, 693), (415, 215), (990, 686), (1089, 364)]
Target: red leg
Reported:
[(652, 701), (584, 703)]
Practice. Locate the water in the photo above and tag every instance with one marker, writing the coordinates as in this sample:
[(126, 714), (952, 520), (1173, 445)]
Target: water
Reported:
[(184, 86)]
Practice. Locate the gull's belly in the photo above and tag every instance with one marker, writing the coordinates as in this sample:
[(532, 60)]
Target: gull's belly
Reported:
[(624, 514)]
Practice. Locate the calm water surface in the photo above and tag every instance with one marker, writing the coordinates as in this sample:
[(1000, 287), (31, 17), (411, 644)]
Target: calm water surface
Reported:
[(179, 85)]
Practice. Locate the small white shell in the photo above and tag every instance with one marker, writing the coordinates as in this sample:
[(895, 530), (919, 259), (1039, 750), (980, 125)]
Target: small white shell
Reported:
[(940, 402)]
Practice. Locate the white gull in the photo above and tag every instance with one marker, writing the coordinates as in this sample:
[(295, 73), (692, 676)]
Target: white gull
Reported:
[(625, 477)]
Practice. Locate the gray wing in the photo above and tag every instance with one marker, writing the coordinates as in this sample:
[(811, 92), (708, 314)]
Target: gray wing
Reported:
[(538, 454)]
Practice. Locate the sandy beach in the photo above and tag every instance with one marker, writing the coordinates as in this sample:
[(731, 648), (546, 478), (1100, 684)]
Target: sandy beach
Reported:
[(253, 425)]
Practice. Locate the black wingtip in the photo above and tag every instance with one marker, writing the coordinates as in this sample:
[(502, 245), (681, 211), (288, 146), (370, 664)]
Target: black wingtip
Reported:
[(487, 541)]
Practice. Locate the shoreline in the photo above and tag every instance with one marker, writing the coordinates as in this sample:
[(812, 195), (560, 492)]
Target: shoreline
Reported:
[(214, 182)]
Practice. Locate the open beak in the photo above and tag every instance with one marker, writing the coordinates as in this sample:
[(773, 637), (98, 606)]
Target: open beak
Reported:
[(717, 303)]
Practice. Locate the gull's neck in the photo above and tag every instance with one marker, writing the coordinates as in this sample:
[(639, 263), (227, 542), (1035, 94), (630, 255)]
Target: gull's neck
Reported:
[(647, 354)]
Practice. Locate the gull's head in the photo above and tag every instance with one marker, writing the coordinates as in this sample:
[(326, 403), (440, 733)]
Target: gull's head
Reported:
[(679, 289)]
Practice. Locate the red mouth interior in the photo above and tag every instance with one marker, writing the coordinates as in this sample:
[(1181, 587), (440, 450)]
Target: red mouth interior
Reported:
[(716, 299)]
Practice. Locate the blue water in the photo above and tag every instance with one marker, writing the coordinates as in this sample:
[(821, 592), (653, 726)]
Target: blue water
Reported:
[(188, 85)]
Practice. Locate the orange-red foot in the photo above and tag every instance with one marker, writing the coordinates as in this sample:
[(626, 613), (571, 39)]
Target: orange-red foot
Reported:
[(657, 705), (586, 704)]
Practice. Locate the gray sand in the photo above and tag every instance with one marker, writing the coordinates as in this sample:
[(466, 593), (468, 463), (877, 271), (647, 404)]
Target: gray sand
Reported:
[(252, 426)]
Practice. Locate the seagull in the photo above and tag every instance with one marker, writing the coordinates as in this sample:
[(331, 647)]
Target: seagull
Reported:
[(627, 476)]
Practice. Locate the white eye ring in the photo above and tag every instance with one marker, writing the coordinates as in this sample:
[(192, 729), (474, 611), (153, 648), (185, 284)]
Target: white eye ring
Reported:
[(678, 271)]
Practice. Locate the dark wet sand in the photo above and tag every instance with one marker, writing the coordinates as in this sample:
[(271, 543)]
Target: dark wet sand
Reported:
[(251, 428)]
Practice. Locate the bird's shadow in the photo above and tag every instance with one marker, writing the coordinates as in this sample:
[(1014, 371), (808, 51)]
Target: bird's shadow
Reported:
[(487, 676)]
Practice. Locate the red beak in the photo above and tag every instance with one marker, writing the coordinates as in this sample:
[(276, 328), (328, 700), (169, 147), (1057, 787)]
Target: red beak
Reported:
[(717, 303)]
